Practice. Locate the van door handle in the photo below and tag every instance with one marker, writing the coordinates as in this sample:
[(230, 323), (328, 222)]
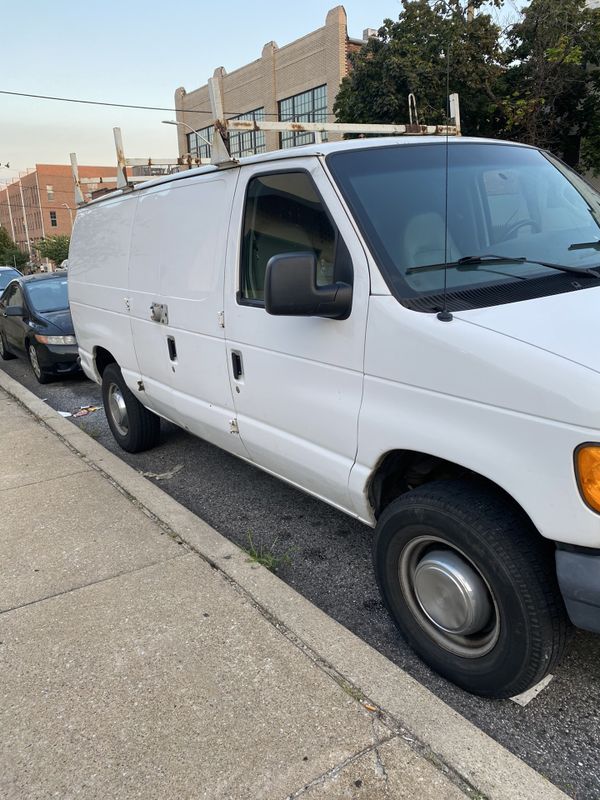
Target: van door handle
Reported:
[(172, 348), (236, 363)]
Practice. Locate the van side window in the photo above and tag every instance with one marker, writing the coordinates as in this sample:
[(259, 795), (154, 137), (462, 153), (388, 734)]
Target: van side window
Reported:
[(284, 214)]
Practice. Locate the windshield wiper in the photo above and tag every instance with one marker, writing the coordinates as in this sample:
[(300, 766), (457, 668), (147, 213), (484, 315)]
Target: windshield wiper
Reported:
[(472, 262), (585, 246)]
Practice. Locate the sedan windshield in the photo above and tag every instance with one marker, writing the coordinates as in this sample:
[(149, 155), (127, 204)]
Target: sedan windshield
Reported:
[(48, 295), (502, 200), (6, 276)]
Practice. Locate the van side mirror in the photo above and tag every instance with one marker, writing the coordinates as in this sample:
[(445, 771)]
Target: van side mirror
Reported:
[(291, 289), (14, 311)]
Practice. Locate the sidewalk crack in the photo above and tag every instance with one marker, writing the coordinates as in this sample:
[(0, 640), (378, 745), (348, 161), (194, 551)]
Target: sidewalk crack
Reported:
[(335, 771), (379, 765), (46, 480), (91, 583)]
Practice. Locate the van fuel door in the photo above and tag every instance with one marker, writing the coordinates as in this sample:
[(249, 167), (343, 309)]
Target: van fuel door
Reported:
[(159, 312)]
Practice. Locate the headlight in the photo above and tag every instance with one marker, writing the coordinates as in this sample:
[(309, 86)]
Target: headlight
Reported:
[(55, 339), (587, 470)]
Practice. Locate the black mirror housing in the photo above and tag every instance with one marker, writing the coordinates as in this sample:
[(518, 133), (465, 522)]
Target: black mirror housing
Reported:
[(14, 311), (291, 289)]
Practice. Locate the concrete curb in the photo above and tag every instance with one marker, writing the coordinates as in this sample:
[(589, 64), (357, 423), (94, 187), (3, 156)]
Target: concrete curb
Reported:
[(445, 736)]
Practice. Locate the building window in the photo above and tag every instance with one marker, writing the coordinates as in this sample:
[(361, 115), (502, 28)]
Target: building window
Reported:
[(53, 222), (250, 143), (197, 142), (310, 106), (50, 192)]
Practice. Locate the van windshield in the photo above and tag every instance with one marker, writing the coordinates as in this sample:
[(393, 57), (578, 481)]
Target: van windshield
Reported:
[(503, 200)]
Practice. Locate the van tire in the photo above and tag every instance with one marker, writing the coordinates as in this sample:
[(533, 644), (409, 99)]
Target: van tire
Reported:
[(133, 426), (457, 529)]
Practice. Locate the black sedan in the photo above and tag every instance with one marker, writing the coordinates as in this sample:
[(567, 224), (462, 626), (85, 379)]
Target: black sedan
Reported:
[(35, 322)]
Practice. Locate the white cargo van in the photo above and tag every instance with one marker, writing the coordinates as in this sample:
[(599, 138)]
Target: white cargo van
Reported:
[(405, 328)]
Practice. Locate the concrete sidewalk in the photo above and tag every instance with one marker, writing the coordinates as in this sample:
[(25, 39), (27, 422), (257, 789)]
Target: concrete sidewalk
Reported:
[(143, 655)]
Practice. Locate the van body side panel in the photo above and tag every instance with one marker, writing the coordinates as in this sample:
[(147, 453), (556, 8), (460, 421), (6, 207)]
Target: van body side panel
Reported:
[(298, 398), (489, 403), (178, 261), (98, 266)]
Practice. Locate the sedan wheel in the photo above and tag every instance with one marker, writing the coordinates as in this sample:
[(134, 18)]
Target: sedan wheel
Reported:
[(39, 373), (4, 354)]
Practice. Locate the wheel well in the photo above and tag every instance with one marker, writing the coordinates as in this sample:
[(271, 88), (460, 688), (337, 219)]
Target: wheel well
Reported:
[(402, 470), (102, 359)]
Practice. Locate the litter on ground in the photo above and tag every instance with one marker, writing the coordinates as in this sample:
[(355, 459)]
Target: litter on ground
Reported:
[(161, 476), (85, 410)]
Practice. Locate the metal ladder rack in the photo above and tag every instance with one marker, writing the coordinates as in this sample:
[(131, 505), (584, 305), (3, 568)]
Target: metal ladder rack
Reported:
[(222, 158)]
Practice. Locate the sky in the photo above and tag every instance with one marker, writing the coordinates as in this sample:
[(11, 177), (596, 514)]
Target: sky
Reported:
[(135, 52)]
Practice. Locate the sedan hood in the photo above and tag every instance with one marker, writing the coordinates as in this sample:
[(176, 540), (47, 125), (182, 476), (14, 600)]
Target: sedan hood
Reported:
[(60, 320), (565, 324)]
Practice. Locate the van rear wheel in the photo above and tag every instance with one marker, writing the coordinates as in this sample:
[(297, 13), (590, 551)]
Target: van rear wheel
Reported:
[(133, 426), (471, 586)]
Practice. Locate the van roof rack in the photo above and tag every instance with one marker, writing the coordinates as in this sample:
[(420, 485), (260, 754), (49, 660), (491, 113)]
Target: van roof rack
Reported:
[(145, 169)]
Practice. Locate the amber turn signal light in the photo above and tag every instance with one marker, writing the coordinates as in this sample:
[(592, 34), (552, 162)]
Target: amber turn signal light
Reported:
[(587, 469)]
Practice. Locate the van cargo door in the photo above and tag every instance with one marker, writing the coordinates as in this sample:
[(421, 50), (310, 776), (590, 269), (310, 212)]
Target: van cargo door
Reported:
[(176, 295)]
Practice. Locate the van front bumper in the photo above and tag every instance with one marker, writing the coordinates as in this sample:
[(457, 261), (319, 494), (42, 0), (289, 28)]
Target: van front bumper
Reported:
[(578, 575)]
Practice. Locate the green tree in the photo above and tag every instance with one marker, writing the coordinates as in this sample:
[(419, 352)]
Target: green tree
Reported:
[(409, 55), (10, 255), (56, 248), (552, 86)]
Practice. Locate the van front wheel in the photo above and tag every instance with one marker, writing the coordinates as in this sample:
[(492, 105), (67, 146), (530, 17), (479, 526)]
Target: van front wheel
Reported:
[(133, 426), (471, 586)]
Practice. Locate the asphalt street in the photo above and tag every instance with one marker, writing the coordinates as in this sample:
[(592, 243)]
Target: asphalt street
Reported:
[(326, 556)]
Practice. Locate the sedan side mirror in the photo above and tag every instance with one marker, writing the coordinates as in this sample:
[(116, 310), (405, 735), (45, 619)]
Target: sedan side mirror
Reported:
[(14, 311), (291, 289)]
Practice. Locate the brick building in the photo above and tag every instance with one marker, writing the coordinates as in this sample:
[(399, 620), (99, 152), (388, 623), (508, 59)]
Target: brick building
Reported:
[(296, 82), (41, 202)]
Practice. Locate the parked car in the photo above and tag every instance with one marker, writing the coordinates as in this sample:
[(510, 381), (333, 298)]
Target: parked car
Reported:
[(404, 328), (35, 323), (6, 275)]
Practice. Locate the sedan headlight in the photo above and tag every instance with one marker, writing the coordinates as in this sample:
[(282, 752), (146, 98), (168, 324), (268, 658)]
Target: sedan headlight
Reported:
[(587, 470), (55, 339)]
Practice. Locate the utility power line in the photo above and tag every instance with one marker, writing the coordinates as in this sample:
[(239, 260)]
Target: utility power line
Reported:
[(129, 105)]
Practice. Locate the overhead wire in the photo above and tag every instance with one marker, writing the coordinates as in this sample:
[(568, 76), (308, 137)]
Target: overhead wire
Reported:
[(133, 106)]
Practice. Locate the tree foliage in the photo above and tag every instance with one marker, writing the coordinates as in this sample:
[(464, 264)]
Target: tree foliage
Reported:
[(410, 55), (56, 248), (10, 255), (552, 84), (538, 82)]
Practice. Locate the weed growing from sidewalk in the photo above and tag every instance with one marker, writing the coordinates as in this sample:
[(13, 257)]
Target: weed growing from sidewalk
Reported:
[(265, 556)]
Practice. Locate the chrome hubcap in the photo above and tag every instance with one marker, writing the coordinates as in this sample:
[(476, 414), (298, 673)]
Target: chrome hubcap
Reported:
[(35, 364), (448, 596), (451, 593), (118, 409)]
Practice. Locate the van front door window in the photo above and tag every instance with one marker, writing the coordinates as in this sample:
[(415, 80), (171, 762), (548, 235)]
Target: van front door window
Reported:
[(283, 214)]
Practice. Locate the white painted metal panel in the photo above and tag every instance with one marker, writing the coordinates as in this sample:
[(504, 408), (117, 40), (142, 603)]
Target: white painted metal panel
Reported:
[(300, 394), (178, 259), (506, 409), (98, 264)]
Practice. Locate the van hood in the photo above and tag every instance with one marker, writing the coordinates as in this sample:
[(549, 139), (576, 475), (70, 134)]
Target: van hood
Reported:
[(565, 325)]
